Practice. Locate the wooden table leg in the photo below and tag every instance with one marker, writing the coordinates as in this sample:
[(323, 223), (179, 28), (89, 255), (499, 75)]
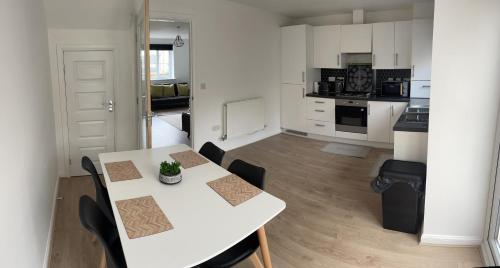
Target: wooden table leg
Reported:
[(264, 248), (255, 260)]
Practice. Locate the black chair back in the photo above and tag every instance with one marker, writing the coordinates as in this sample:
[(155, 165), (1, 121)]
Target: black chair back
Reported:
[(94, 220), (212, 152), (101, 192), (250, 173)]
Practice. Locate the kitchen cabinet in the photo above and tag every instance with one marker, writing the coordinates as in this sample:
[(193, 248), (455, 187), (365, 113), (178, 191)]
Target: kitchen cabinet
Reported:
[(356, 38), (297, 47), (321, 109), (402, 44), (421, 49), (392, 45), (397, 108), (420, 89), (379, 121), (321, 128), (293, 107), (383, 56), (327, 46)]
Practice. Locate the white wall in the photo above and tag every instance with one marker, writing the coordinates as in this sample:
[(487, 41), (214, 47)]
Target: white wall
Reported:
[(464, 104), (28, 155), (125, 91), (237, 54)]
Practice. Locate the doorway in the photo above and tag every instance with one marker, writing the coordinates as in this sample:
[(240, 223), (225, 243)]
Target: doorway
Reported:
[(168, 92)]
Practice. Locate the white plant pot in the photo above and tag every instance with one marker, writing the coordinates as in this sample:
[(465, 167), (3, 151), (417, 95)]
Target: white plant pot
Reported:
[(171, 179)]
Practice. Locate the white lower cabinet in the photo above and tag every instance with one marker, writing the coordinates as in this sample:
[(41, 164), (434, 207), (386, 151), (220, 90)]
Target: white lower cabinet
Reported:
[(379, 121), (321, 109), (397, 108), (293, 107), (321, 128)]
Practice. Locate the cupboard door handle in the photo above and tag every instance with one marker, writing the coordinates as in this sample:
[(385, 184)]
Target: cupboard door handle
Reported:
[(338, 60), (413, 71), (373, 60), (303, 92), (319, 125), (320, 111), (368, 107), (427, 86), (320, 102), (392, 111), (303, 76), (397, 59)]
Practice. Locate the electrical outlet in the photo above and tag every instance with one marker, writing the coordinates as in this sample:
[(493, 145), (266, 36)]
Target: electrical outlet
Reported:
[(216, 128), (331, 79)]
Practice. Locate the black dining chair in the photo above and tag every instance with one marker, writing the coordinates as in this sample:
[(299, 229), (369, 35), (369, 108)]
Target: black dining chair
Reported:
[(101, 193), (247, 247), (94, 220), (212, 152)]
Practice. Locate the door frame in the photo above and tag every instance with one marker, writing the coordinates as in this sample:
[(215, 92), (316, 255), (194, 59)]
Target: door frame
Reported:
[(186, 18), (61, 102)]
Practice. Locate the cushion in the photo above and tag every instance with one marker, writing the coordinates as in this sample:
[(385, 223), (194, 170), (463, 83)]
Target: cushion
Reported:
[(156, 91), (169, 91), (183, 89)]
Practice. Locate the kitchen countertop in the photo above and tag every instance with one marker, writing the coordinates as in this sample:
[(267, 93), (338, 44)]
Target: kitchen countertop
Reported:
[(414, 122), (371, 98)]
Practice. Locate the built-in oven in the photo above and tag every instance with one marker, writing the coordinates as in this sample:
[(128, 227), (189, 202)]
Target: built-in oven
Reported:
[(351, 115)]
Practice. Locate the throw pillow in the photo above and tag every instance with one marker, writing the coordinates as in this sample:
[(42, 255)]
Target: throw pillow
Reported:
[(156, 91), (183, 89), (168, 91)]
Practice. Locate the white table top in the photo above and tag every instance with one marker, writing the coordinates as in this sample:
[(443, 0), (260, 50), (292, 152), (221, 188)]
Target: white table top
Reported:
[(204, 223)]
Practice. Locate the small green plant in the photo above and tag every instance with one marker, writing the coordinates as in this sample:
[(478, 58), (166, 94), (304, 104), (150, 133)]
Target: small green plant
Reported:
[(170, 169)]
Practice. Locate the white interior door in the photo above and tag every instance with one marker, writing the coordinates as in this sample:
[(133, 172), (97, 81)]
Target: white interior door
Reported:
[(89, 77)]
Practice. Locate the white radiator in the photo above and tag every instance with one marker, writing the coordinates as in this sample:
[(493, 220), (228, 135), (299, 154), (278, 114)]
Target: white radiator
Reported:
[(243, 118)]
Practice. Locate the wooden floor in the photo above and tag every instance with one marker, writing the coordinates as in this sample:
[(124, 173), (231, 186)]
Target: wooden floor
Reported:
[(332, 219)]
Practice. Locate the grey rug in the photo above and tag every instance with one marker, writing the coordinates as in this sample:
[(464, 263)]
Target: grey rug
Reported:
[(347, 150)]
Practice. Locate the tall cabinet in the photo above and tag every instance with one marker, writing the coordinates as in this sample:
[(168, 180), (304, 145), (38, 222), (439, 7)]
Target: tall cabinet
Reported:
[(297, 75)]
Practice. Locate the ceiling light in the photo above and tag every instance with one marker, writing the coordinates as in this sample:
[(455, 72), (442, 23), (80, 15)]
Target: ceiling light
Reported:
[(178, 42)]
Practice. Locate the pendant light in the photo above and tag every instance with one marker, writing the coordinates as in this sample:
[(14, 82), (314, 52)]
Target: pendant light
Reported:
[(178, 42)]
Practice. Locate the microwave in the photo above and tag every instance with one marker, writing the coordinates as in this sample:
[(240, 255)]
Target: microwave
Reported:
[(394, 89)]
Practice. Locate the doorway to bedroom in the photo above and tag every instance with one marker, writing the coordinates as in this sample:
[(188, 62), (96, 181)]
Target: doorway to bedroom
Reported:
[(170, 82)]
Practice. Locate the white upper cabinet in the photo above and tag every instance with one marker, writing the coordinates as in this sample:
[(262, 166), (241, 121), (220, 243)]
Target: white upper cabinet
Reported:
[(297, 55), (421, 49), (402, 44), (356, 38), (327, 46), (392, 45), (383, 56)]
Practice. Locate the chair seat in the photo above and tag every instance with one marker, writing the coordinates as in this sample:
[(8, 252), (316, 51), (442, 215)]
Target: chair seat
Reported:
[(235, 254)]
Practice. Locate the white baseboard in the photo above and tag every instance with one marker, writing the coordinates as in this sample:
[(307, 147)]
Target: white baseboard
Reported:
[(342, 140), (48, 246), (486, 254), (450, 240)]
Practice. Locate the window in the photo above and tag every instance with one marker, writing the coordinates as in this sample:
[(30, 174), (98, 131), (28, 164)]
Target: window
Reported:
[(162, 62)]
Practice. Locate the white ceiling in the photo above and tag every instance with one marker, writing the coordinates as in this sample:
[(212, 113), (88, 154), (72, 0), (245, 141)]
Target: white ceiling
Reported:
[(168, 30), (309, 8), (89, 14)]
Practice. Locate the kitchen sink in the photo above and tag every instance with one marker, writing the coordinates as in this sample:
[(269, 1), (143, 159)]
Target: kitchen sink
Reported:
[(417, 110), (415, 118)]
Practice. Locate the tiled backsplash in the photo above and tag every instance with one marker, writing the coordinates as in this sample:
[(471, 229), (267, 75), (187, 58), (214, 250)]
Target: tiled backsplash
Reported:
[(380, 75)]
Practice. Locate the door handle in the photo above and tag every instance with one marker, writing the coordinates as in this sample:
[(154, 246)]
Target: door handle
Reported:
[(110, 106), (373, 60), (319, 125), (303, 92), (413, 71), (319, 102), (338, 60), (320, 111), (368, 108), (392, 111)]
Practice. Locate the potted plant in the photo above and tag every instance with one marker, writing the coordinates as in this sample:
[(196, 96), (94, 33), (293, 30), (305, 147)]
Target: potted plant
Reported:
[(170, 173)]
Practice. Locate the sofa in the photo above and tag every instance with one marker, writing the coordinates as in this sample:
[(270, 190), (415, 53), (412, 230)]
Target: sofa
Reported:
[(169, 96)]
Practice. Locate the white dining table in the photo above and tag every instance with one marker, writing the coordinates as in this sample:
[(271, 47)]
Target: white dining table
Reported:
[(204, 224)]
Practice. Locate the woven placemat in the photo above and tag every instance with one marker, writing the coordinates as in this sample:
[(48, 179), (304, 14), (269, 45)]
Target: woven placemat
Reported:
[(234, 189), (189, 159), (122, 171), (142, 217)]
